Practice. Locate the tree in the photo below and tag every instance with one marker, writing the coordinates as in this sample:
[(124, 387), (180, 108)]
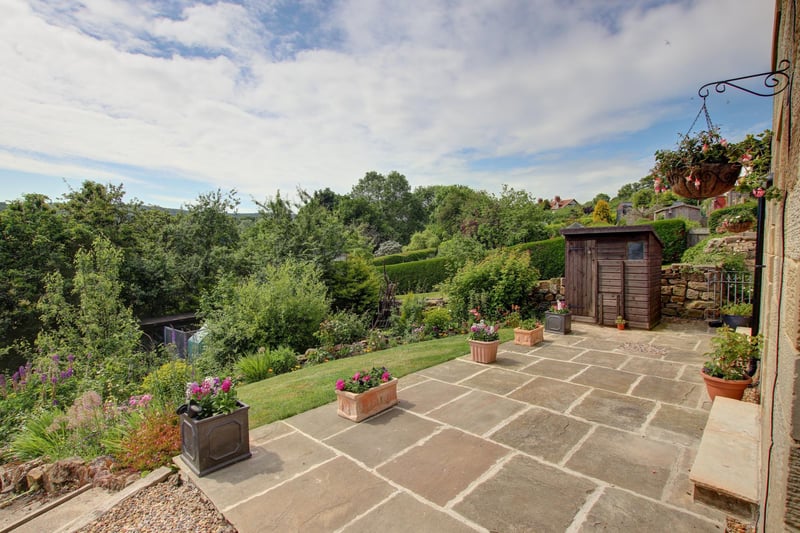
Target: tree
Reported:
[(400, 211), (602, 212)]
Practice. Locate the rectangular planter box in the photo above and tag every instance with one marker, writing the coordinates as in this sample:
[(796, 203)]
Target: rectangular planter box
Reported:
[(558, 323), (528, 337), (215, 442), (357, 407)]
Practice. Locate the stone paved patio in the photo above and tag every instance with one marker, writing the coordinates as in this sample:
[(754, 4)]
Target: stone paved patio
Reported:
[(592, 431)]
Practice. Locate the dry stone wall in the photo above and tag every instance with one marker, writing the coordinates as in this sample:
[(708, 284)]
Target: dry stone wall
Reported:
[(685, 291)]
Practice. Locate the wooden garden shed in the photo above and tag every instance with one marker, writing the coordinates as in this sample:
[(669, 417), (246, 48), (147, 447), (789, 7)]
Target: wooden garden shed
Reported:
[(613, 271)]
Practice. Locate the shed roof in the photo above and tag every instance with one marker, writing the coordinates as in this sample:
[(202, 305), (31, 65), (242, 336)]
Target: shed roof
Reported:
[(599, 231)]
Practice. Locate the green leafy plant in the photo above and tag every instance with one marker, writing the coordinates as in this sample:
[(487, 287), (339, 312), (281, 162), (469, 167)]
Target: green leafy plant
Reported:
[(480, 331), (167, 384), (732, 354), (530, 323), (437, 321), (362, 381), (742, 217), (342, 327), (740, 309), (621, 320), (693, 150)]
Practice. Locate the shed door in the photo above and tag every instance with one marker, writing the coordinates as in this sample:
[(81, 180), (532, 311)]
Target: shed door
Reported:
[(580, 285), (610, 291)]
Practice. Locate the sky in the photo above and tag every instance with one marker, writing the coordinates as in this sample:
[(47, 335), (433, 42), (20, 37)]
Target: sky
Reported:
[(176, 98)]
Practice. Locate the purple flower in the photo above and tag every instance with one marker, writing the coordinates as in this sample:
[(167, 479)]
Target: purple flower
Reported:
[(70, 358), (54, 380), (15, 377), (339, 384), (55, 358), (44, 379)]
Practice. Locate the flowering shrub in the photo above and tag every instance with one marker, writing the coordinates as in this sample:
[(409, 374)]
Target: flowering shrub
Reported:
[(479, 331), (363, 380), (560, 307), (152, 443), (213, 396), (705, 147)]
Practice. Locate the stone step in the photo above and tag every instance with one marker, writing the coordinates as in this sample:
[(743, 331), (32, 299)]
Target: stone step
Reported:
[(725, 472)]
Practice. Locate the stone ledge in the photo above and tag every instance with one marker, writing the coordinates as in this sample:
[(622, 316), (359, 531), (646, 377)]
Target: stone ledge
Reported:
[(726, 470)]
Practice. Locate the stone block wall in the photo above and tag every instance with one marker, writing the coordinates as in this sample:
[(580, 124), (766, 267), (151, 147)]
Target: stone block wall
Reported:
[(685, 291)]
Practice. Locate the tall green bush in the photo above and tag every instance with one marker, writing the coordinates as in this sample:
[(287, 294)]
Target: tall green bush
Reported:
[(405, 257), (353, 285), (546, 256), (503, 279), (672, 233), (284, 305), (419, 276)]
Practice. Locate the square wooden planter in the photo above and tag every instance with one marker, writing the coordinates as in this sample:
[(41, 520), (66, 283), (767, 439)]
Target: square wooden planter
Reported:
[(558, 323), (357, 407), (528, 337), (215, 442)]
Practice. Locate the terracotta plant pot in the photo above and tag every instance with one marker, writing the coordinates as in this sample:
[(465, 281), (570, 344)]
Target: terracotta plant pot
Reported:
[(727, 388), (483, 351), (715, 179), (528, 337), (620, 327), (357, 407), (215, 442)]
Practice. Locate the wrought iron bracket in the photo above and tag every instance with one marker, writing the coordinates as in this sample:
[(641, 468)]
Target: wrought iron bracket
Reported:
[(777, 81)]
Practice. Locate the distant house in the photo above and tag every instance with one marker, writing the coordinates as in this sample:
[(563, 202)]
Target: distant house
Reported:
[(679, 210), (558, 203)]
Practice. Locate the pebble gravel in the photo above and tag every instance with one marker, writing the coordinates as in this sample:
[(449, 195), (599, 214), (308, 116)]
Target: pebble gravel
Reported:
[(173, 505)]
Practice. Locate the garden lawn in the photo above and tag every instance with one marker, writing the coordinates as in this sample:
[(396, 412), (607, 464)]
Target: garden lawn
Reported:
[(289, 394)]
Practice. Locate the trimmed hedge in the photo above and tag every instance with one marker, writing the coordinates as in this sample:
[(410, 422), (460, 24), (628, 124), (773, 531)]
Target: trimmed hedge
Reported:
[(419, 276), (716, 217), (547, 256), (672, 233), (405, 257)]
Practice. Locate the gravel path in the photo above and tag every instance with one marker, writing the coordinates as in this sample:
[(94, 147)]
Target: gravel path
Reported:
[(176, 504)]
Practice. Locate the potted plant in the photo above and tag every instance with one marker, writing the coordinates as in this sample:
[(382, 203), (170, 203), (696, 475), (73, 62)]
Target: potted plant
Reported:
[(621, 322), (483, 342), (736, 315), (365, 394), (737, 223), (529, 333), (730, 366), (559, 318), (214, 426), (702, 166)]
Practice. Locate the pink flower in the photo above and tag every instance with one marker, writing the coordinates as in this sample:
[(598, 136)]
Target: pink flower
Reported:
[(747, 157), (356, 376), (758, 192), (226, 385), (723, 142), (697, 183), (339, 384), (386, 376), (705, 147)]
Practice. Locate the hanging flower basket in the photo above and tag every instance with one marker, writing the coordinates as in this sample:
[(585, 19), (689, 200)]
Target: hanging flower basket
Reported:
[(705, 180)]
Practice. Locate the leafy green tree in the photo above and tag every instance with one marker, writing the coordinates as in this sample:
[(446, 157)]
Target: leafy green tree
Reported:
[(400, 211), (283, 305), (422, 240), (354, 286)]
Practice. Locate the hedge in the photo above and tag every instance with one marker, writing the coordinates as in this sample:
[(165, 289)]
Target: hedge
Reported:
[(672, 233), (716, 217), (405, 257), (418, 276), (547, 256)]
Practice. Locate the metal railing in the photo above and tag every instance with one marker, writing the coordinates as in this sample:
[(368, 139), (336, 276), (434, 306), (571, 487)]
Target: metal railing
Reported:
[(729, 287)]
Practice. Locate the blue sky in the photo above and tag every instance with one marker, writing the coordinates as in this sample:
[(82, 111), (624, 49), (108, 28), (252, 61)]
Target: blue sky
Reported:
[(176, 98)]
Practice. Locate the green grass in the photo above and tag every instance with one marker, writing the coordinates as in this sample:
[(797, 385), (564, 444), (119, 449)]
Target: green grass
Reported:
[(435, 294), (289, 394)]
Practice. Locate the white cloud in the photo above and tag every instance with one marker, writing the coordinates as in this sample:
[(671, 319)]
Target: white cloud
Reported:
[(406, 86)]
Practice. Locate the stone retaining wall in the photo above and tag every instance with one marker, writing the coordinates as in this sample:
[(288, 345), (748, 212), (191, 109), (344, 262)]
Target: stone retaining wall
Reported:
[(685, 291)]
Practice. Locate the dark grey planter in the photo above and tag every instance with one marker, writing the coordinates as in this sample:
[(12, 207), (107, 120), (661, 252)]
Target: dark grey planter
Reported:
[(558, 323), (215, 442), (736, 321)]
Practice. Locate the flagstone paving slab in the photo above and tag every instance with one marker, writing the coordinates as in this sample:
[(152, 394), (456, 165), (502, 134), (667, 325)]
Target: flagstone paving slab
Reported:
[(680, 491), (512, 361), (562, 353), (526, 495), (269, 432), (428, 395), (554, 369), (669, 391), (643, 365), (402, 513), (617, 510), (477, 412), (606, 378), (691, 373), (625, 459), (324, 499), (606, 359), (435, 472), (607, 345), (542, 434), (497, 380), (616, 410), (550, 393), (377, 439), (678, 424), (451, 371), (271, 464), (686, 356), (319, 423)]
